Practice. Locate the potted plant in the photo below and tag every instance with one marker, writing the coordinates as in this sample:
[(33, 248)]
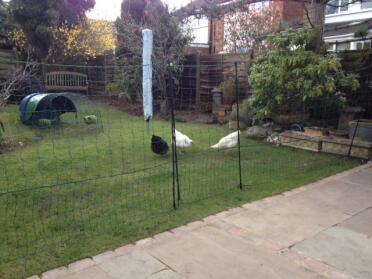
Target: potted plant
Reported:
[(246, 114), (290, 77), (228, 92)]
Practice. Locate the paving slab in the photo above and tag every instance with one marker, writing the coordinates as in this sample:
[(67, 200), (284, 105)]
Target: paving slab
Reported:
[(80, 265), (362, 177), (55, 273), (347, 197), (368, 169), (342, 248), (134, 265), (212, 253), (361, 222), (104, 256), (289, 222), (90, 273), (165, 274)]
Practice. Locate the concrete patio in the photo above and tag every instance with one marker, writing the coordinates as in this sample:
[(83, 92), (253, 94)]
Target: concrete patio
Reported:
[(321, 230)]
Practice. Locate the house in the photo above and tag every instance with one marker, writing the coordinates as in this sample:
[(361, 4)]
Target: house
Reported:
[(211, 33), (343, 19)]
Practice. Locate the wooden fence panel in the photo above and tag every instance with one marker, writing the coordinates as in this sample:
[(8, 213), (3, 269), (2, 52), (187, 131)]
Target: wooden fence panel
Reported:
[(204, 72)]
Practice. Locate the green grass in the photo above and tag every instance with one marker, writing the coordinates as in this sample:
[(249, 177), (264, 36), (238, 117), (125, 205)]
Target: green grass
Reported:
[(73, 191)]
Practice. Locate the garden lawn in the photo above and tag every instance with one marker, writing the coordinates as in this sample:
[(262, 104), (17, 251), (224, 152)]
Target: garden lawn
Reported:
[(74, 191)]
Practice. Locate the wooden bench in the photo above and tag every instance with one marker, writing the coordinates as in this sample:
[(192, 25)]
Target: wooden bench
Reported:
[(66, 81)]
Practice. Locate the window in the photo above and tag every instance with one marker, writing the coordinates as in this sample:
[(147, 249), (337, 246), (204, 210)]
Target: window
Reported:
[(330, 47), (366, 4), (337, 6), (363, 45), (330, 9), (344, 5), (342, 46)]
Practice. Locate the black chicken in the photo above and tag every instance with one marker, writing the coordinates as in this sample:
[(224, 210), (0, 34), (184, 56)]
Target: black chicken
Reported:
[(158, 145)]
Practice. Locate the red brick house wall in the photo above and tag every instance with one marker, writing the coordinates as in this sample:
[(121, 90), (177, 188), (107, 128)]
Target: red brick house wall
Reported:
[(293, 12), (216, 35)]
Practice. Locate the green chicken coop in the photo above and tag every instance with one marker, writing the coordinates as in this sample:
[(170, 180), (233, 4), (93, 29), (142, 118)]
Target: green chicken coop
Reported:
[(49, 106)]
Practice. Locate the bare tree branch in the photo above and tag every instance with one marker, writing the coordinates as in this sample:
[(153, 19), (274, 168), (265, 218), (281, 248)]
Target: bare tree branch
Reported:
[(17, 80), (308, 17)]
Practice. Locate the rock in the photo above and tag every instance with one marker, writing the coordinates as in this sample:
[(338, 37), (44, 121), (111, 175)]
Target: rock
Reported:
[(272, 128), (212, 120), (279, 129), (257, 132), (269, 125)]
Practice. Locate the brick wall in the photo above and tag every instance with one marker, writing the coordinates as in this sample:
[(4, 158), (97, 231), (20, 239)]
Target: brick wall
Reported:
[(216, 35), (293, 12)]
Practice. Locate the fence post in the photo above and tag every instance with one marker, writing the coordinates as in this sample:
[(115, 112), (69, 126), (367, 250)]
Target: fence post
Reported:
[(147, 74), (238, 123), (105, 75), (175, 182), (197, 81), (352, 139)]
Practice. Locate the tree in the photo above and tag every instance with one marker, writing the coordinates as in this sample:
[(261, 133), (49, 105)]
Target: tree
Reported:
[(246, 29), (315, 12), (20, 82), (73, 11), (74, 42), (290, 76), (85, 41), (3, 15), (37, 18), (5, 25), (169, 41)]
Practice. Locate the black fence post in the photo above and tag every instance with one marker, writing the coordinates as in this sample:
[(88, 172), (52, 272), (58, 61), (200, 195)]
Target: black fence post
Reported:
[(175, 182), (238, 123), (352, 139)]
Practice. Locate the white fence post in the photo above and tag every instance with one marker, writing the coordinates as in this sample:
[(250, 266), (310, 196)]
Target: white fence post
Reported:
[(147, 74)]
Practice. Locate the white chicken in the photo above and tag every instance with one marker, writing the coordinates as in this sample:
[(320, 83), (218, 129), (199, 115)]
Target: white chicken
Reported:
[(182, 141), (230, 141)]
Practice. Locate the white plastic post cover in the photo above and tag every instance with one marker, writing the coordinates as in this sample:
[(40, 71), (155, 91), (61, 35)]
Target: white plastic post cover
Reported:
[(147, 74)]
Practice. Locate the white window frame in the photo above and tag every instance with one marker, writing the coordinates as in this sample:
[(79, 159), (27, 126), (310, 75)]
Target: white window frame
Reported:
[(361, 7), (364, 42), (339, 9)]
